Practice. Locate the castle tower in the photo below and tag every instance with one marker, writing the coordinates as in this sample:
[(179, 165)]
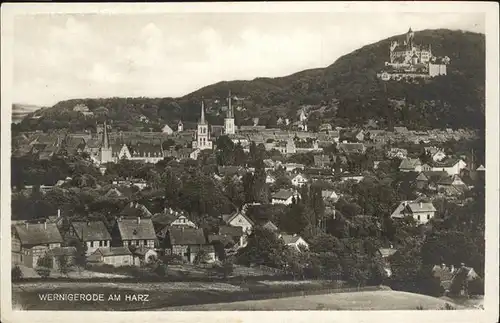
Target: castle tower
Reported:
[(106, 150), (202, 135), (229, 128)]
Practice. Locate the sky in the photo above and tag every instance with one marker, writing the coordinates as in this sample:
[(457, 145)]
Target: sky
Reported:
[(65, 56)]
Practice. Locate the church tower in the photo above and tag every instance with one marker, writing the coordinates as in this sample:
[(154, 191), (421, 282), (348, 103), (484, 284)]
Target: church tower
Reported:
[(106, 150), (202, 135), (229, 128), (409, 38)]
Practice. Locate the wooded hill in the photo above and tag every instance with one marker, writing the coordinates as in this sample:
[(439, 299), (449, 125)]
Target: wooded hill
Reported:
[(344, 93)]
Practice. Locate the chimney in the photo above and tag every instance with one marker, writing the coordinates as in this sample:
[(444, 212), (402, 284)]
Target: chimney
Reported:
[(58, 213), (138, 220), (45, 225), (421, 204)]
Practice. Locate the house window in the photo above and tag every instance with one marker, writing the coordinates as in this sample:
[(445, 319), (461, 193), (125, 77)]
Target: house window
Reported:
[(100, 243), (91, 243), (145, 242), (418, 217), (428, 216)]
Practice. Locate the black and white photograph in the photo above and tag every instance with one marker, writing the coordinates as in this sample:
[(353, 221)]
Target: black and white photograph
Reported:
[(226, 159)]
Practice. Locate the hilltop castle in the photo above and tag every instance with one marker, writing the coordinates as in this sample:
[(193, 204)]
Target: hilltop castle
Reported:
[(408, 60)]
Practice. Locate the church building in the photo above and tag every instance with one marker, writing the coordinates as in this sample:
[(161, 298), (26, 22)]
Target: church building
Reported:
[(202, 140), (106, 153), (229, 128)]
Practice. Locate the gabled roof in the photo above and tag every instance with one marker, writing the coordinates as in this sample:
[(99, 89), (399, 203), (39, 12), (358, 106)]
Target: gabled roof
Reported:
[(186, 236), (447, 163), (410, 163), (327, 193), (386, 252), (112, 251), (135, 210), (38, 233), (135, 229), (91, 231), (290, 239), (351, 147), (283, 194), (269, 225), (231, 231), (322, 159), (227, 218), (406, 207)]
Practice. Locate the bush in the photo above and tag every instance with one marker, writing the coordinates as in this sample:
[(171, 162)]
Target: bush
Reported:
[(44, 272), (16, 273), (161, 269)]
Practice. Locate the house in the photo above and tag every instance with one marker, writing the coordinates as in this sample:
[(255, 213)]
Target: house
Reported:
[(325, 127), (410, 165), (397, 153), (134, 232), (93, 233), (56, 253), (143, 255), (299, 180), (270, 226), (285, 197), (386, 253), (429, 179), (329, 195), (270, 179), (451, 185), (234, 234), (352, 148), (350, 177), (114, 256), (451, 166), (135, 209), (163, 221), (419, 210), (322, 160), (166, 129), (239, 219), (187, 243), (436, 154), (235, 172), (295, 241), (290, 167), (31, 241), (400, 130)]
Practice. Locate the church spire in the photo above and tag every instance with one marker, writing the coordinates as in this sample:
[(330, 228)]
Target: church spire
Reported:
[(105, 138), (230, 113), (202, 119)]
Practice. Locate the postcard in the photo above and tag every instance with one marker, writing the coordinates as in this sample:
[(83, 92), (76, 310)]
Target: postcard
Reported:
[(241, 162)]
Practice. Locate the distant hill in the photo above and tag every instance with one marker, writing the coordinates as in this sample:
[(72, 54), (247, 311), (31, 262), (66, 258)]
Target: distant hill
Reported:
[(19, 111), (344, 93)]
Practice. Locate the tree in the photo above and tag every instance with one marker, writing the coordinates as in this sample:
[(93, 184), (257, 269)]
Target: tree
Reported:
[(16, 273), (80, 255), (161, 269), (44, 265), (201, 257), (63, 264), (263, 248)]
